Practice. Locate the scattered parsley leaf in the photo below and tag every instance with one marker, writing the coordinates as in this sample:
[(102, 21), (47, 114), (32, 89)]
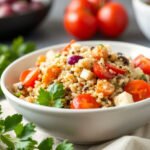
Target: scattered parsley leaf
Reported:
[(19, 129), (25, 132), (12, 121), (56, 91), (46, 144), (65, 146), (8, 140), (0, 109), (43, 97), (22, 139), (25, 144), (9, 53)]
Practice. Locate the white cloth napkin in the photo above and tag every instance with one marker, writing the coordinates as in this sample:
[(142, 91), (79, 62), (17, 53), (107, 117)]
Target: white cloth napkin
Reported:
[(139, 140)]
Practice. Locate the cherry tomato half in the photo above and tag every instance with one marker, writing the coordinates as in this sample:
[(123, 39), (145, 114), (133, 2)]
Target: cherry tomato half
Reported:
[(28, 77), (84, 101), (102, 72), (139, 89), (143, 63), (112, 19), (115, 69)]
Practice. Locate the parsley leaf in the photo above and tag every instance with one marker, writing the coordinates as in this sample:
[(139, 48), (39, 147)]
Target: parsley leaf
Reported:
[(29, 144), (22, 138), (8, 140), (65, 146), (43, 97), (12, 121), (53, 97), (25, 132), (56, 91), (46, 144), (59, 103), (9, 53)]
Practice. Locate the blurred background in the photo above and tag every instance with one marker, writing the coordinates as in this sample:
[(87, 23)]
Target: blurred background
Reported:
[(51, 30)]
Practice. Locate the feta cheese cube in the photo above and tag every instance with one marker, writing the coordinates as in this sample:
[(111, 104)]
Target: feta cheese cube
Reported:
[(123, 99), (86, 74), (50, 55)]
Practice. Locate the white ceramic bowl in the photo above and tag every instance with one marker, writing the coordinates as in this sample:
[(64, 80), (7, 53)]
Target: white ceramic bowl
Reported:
[(142, 13), (79, 126)]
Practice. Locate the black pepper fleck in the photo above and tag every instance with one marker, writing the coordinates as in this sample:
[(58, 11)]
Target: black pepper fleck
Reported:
[(92, 47)]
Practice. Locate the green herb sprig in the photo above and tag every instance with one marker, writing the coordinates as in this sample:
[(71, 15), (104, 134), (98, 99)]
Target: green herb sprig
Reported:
[(54, 96), (17, 49), (14, 135)]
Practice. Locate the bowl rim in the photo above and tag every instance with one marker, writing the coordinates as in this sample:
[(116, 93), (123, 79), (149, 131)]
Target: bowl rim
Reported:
[(37, 107), (142, 4)]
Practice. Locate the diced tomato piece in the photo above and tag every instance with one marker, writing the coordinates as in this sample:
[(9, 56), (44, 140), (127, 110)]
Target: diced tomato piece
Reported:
[(115, 69), (105, 87), (143, 63), (84, 101), (40, 59), (24, 74), (102, 72), (139, 89), (28, 77), (51, 74), (68, 46)]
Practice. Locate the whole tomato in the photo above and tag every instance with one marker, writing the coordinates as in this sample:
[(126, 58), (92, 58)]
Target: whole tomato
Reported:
[(80, 23), (112, 19), (96, 4), (76, 5)]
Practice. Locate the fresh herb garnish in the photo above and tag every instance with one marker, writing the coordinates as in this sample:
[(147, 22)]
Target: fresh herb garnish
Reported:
[(14, 135), (9, 53), (143, 77), (54, 96)]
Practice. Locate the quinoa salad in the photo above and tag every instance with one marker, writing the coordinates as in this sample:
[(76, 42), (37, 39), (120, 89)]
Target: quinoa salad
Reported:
[(82, 77)]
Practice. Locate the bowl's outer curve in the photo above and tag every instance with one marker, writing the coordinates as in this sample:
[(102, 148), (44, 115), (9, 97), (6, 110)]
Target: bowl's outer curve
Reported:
[(79, 126)]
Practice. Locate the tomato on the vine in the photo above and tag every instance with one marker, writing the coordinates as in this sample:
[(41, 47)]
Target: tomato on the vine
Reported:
[(76, 5), (112, 19), (81, 24), (97, 4)]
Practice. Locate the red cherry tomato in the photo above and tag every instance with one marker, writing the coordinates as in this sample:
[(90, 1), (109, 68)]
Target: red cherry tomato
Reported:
[(112, 19), (28, 77), (102, 72), (143, 63), (139, 89), (115, 69), (81, 24), (76, 5), (24, 74), (96, 4), (84, 101)]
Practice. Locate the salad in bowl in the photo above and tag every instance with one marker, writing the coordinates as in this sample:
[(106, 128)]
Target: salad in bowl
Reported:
[(82, 77)]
